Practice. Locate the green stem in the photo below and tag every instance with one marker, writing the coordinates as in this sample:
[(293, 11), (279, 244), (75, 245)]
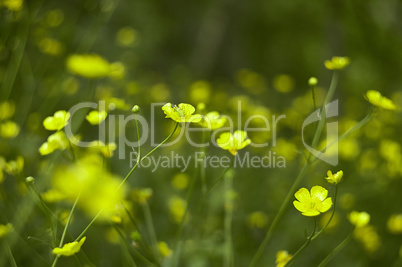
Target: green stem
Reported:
[(309, 239), (332, 215), (336, 250), (228, 256), (296, 183), (151, 229)]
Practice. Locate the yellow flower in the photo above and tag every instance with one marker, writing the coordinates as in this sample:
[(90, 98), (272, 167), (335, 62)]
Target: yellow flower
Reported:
[(5, 229), (94, 66), (177, 208), (212, 120), (314, 202), (233, 142), (9, 129), (57, 121), (164, 249), (95, 117), (334, 178), (106, 150), (337, 63), (282, 257), (394, 223), (14, 167), (376, 99), (359, 219), (257, 219), (182, 113), (13, 5), (69, 249), (142, 195), (56, 141), (7, 110)]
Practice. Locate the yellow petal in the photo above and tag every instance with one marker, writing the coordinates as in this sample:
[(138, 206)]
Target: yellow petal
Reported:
[(303, 195), (319, 192)]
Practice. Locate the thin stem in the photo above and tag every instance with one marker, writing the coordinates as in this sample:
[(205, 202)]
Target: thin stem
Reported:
[(89, 225), (296, 183), (332, 215), (336, 250), (309, 239), (151, 229), (138, 138), (228, 256)]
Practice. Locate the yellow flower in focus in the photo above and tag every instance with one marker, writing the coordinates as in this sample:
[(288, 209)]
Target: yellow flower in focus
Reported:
[(181, 113), (95, 117), (257, 219), (94, 66), (376, 99), (69, 249), (9, 129), (58, 121), (334, 178), (56, 141), (337, 63), (212, 120), (282, 257), (394, 224), (164, 249), (7, 110), (314, 202), (233, 142), (106, 150), (359, 219), (13, 5), (5, 229)]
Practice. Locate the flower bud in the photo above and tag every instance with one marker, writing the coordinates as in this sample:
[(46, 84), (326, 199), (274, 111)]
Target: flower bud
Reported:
[(312, 81), (30, 180), (136, 109)]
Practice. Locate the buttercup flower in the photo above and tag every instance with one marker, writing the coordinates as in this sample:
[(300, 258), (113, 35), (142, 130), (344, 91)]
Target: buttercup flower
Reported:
[(106, 150), (88, 65), (9, 129), (56, 141), (233, 142), (376, 99), (337, 63), (314, 202), (334, 178), (95, 117), (164, 249), (69, 249), (57, 121), (282, 257), (359, 219), (182, 113), (212, 120)]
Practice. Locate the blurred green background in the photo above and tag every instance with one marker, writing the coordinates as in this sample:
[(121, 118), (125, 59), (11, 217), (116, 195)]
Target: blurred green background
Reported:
[(215, 52)]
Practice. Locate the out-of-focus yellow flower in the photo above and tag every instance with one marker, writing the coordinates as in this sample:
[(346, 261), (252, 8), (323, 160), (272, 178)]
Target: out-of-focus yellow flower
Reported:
[(284, 83), (212, 120), (7, 110), (52, 196), (181, 113), (93, 66), (282, 257), (106, 150), (95, 185), (164, 249), (394, 223), (50, 46), (257, 219), (13, 5), (180, 181), (325, 218), (56, 141), (285, 148), (177, 207), (95, 117), (142, 195), (359, 219), (347, 200), (126, 36), (251, 81), (5, 229), (9, 129), (58, 121), (334, 178), (369, 237), (69, 249), (200, 91), (14, 167), (118, 103), (233, 142), (378, 100), (312, 203), (117, 70), (160, 92), (54, 18), (337, 63)]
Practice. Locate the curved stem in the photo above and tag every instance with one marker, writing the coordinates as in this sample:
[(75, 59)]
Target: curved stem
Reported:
[(336, 250)]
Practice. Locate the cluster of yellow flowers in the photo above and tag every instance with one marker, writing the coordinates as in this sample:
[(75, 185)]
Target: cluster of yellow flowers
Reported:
[(12, 167), (58, 140), (8, 128)]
